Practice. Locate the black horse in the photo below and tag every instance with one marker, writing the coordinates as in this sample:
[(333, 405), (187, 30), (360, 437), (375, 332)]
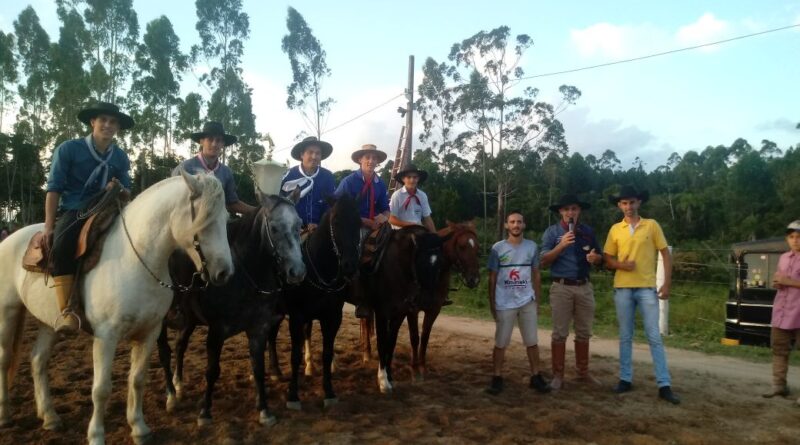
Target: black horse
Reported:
[(331, 255), (265, 245)]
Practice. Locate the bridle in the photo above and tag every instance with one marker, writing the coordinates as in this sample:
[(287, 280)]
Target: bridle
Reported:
[(321, 284), (458, 263)]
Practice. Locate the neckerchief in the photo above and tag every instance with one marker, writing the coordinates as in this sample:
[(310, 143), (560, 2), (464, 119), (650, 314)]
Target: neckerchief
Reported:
[(411, 195), (205, 166), (368, 185), (288, 186), (102, 167)]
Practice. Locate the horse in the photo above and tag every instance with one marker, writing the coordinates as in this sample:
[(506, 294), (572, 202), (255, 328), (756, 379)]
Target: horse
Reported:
[(124, 296), (404, 282), (332, 254), (265, 245)]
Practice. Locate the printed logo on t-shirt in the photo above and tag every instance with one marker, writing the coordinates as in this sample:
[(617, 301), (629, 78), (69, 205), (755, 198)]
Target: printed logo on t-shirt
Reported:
[(514, 280)]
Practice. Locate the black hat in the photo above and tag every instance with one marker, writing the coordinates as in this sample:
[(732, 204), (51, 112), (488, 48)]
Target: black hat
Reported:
[(324, 147), (569, 200), (629, 191), (87, 114), (213, 129), (411, 168)]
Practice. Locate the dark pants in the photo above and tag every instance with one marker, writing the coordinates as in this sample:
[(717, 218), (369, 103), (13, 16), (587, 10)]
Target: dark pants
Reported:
[(65, 240)]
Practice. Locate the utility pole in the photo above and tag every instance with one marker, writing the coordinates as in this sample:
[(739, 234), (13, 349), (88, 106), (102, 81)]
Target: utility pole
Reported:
[(404, 150)]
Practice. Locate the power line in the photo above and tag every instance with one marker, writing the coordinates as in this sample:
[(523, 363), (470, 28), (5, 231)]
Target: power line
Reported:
[(664, 53)]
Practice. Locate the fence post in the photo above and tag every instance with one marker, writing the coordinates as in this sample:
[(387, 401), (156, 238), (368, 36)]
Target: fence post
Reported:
[(663, 305)]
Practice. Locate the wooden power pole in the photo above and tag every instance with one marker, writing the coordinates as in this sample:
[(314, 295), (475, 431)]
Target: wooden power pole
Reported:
[(404, 149)]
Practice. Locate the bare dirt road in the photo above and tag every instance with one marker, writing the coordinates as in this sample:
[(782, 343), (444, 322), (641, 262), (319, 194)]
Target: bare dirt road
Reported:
[(721, 402)]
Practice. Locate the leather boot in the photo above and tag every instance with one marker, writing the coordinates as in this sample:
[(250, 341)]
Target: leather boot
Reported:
[(780, 367), (67, 323), (558, 351), (582, 362)]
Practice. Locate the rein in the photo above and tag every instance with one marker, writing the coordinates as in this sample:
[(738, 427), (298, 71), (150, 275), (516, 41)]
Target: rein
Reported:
[(323, 285), (459, 267)]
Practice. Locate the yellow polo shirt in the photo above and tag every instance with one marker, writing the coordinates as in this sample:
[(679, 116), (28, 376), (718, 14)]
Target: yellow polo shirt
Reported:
[(642, 247)]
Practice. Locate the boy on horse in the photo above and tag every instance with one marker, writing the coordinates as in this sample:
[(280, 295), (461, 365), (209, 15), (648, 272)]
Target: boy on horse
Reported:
[(81, 169), (409, 205), (316, 183), (212, 141)]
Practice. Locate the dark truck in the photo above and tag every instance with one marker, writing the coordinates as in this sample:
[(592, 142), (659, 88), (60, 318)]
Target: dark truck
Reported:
[(749, 306)]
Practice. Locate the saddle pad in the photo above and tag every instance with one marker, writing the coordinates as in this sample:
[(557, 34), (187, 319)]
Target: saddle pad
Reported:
[(35, 258)]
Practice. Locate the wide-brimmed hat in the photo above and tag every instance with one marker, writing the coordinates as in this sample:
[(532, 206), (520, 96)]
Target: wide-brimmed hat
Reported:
[(214, 129), (793, 226), (324, 147), (368, 148), (567, 200), (87, 114), (411, 168), (629, 191)]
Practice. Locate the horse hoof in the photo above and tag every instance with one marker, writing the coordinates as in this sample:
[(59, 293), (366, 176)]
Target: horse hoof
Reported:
[(52, 424), (275, 377), (172, 402), (294, 406), (309, 372), (204, 421), (327, 403), (266, 419), (143, 439), (386, 389)]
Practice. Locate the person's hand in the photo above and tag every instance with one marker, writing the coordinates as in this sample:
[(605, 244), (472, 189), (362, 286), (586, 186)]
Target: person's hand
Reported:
[(111, 183), (663, 293), (626, 265), (567, 239), (311, 227), (779, 280), (47, 238), (593, 257), (494, 313), (380, 219)]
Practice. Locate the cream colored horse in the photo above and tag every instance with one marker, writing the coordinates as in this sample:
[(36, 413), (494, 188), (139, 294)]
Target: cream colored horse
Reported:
[(122, 299)]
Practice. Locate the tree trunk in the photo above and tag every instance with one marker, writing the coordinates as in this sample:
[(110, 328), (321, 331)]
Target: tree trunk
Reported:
[(501, 209)]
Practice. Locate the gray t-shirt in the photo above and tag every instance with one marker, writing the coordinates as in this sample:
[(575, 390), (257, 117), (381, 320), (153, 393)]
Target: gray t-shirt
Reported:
[(222, 172), (514, 266)]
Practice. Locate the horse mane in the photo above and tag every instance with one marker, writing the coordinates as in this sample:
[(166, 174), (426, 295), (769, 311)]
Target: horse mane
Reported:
[(210, 203)]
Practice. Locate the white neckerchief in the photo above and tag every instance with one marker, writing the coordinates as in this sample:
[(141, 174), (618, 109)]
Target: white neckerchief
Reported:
[(288, 186), (102, 168)]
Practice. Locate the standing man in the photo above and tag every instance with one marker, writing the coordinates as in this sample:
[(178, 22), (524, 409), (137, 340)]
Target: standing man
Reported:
[(81, 169), (631, 249), (514, 289), (570, 249), (409, 205), (316, 183), (212, 141)]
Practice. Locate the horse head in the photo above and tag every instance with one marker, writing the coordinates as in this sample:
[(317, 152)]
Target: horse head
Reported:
[(461, 249), (427, 255), (199, 227), (345, 229), (280, 232)]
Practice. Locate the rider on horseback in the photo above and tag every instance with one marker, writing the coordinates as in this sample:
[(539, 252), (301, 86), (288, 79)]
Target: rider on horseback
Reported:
[(80, 170), (315, 182)]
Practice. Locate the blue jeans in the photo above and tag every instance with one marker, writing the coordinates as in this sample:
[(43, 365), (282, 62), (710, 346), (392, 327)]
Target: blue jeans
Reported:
[(626, 300)]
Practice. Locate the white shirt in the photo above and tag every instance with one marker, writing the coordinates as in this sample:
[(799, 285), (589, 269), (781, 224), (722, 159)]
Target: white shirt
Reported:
[(414, 212)]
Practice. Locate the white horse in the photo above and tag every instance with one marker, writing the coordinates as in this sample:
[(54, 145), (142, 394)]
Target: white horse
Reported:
[(121, 298)]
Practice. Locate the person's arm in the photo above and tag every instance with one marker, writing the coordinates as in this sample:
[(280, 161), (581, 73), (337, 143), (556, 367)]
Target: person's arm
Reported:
[(537, 285), (427, 222), (551, 255), (395, 221), (492, 284), (780, 280), (663, 293), (382, 217), (613, 263), (239, 207), (50, 209)]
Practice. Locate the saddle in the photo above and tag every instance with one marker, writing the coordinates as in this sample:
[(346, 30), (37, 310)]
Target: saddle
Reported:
[(374, 246)]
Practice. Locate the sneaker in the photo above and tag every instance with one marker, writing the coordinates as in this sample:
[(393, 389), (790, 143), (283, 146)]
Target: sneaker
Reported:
[(776, 392), (623, 386), (665, 393), (496, 385), (539, 384)]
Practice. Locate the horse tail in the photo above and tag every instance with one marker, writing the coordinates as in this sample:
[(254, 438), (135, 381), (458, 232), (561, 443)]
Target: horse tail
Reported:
[(16, 344)]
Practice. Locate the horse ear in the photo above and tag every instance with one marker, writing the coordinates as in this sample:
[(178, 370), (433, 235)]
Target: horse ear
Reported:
[(294, 196), (193, 182)]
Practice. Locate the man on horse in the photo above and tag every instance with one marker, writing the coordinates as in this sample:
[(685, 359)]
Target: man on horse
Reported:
[(315, 182), (570, 249), (80, 170), (374, 204), (212, 141)]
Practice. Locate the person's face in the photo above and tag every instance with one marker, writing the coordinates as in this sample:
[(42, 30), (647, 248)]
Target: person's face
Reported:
[(311, 158), (629, 206), (793, 239), (212, 146), (515, 224), (368, 163), (571, 211), (104, 126), (410, 181)]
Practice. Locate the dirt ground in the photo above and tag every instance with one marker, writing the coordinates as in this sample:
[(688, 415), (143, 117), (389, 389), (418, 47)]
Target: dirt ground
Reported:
[(448, 407)]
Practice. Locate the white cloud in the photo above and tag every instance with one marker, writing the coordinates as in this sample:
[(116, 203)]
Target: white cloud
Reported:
[(611, 41), (779, 124), (706, 29)]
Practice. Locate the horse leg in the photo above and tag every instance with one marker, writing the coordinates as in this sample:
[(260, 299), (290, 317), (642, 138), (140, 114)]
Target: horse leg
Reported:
[(381, 336), (394, 329), (11, 326), (274, 367), (329, 326), (427, 326), (181, 344), (103, 351), (413, 333), (257, 341), (214, 343), (40, 357), (309, 370), (140, 362), (165, 358), (296, 331), (367, 325)]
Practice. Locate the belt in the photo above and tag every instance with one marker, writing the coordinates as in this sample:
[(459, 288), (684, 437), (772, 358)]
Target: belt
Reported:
[(569, 282)]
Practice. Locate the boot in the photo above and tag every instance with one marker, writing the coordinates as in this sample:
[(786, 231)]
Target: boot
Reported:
[(67, 323), (582, 362), (780, 367), (558, 350)]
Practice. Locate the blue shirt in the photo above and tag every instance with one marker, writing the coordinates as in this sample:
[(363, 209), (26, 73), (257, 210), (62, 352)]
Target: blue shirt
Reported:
[(571, 264), (311, 207), (223, 173), (352, 185), (71, 167)]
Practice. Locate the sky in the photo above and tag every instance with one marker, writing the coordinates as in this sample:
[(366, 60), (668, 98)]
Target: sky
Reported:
[(647, 109)]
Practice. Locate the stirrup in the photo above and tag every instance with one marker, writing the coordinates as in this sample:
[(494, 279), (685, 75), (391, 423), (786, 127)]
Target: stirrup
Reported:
[(65, 329)]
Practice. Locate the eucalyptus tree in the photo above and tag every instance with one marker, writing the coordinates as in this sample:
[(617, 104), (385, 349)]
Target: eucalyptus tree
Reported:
[(438, 110), (8, 73), (33, 48), (70, 80), (309, 70)]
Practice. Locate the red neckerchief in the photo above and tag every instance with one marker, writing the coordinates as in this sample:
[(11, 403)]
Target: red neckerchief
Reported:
[(411, 195), (205, 166), (368, 185)]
